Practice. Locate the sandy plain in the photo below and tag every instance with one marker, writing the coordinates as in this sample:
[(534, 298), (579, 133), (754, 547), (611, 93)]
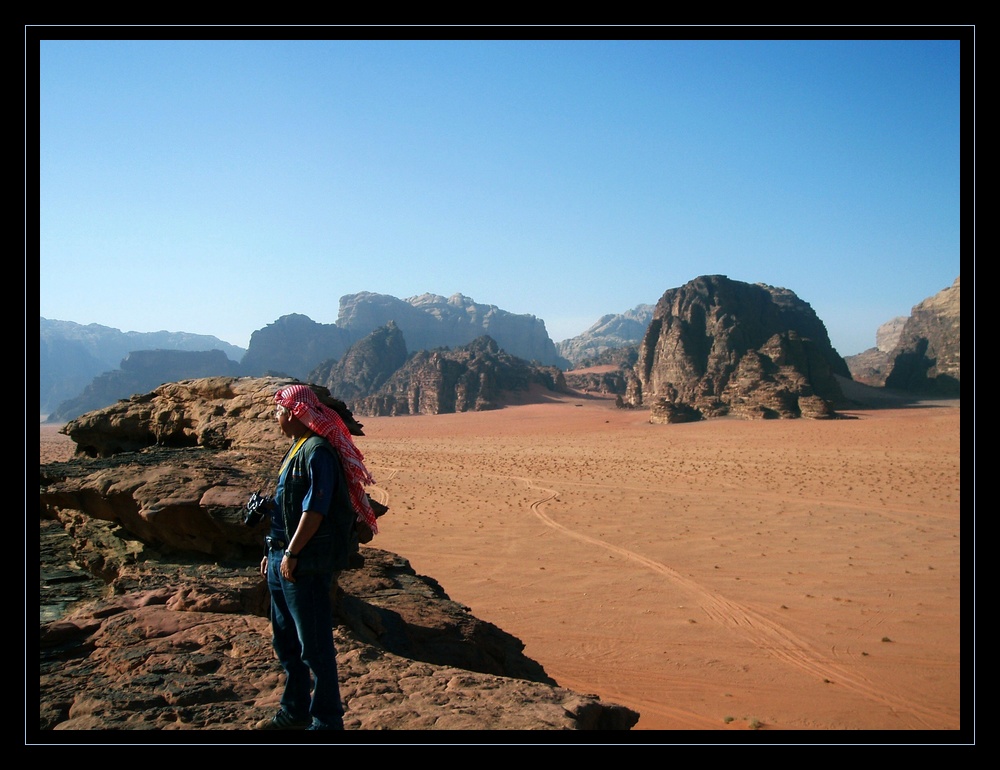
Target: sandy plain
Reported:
[(724, 575)]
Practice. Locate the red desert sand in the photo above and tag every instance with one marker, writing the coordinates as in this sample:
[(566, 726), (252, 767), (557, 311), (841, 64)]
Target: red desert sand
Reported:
[(719, 575)]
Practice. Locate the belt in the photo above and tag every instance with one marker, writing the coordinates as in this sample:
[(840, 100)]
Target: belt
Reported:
[(273, 544)]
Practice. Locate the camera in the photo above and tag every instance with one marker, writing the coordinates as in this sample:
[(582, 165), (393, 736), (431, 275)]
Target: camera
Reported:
[(256, 507)]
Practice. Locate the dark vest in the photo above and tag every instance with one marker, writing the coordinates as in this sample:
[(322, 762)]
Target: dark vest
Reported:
[(329, 549)]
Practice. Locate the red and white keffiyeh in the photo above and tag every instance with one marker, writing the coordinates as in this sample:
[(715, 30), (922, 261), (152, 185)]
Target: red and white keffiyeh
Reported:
[(303, 403)]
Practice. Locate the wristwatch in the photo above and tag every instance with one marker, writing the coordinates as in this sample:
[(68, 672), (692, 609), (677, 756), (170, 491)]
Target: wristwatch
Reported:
[(291, 555)]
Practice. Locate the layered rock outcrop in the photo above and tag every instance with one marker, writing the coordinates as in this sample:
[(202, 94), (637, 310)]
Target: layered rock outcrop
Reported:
[(155, 615), (472, 378), (207, 413), (720, 347)]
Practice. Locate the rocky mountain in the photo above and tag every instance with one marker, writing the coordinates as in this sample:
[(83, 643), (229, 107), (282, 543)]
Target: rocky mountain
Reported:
[(141, 371), (608, 333), (430, 321), (154, 614), (71, 355), (920, 353), (365, 366), (872, 366), (473, 377), (721, 347), (295, 345)]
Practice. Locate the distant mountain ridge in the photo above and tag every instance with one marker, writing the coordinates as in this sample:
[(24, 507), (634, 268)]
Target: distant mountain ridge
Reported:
[(610, 332), (71, 355), (83, 368), (142, 371), (294, 344)]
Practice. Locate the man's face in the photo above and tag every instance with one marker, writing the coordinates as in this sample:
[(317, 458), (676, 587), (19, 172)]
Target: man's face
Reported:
[(284, 418)]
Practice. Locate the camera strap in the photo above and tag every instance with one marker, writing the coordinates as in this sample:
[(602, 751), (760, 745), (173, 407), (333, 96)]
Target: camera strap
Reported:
[(292, 452)]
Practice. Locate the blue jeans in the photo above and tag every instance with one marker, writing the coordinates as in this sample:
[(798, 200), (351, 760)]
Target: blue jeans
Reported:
[(302, 628)]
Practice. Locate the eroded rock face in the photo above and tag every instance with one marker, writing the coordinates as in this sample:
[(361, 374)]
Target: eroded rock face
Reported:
[(154, 616), (872, 366), (474, 377), (366, 365), (185, 645), (919, 353), (927, 357), (292, 346), (722, 347)]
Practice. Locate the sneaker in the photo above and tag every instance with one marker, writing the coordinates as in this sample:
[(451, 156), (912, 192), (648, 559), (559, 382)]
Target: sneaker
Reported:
[(317, 725), (284, 721)]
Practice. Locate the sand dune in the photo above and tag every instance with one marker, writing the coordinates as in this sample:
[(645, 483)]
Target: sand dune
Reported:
[(722, 575)]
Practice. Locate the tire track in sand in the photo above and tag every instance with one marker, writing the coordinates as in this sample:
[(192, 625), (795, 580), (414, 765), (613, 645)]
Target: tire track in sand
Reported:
[(377, 493), (769, 636)]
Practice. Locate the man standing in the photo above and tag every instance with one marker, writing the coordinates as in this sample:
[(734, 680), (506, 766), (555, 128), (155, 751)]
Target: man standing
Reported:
[(319, 495)]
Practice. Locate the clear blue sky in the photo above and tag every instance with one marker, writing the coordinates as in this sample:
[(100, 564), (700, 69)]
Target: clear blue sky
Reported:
[(213, 186)]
